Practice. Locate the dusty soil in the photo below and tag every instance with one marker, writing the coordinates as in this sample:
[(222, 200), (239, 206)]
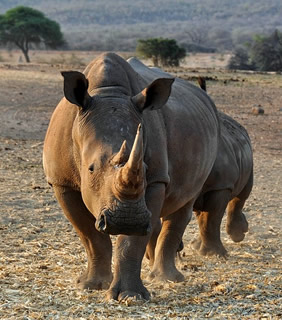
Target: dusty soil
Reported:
[(41, 255)]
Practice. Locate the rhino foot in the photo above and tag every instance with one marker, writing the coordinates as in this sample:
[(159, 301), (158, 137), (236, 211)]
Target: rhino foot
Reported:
[(196, 243), (88, 282), (236, 227), (172, 275), (115, 293), (210, 248), (218, 250)]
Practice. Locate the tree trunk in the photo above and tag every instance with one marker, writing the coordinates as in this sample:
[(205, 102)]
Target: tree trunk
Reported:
[(25, 52), (155, 61), (24, 47)]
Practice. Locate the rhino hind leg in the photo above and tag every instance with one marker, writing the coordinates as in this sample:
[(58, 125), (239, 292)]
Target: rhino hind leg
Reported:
[(237, 224), (98, 246), (209, 220), (168, 243)]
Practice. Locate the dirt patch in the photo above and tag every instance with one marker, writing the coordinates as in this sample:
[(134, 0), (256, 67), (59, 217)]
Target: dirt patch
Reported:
[(41, 255)]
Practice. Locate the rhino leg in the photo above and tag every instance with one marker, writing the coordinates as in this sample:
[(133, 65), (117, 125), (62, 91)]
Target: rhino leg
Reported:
[(173, 227), (150, 249), (129, 252), (128, 258), (98, 246), (209, 221), (237, 224)]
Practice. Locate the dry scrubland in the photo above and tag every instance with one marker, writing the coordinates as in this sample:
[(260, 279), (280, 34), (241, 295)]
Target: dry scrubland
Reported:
[(41, 255)]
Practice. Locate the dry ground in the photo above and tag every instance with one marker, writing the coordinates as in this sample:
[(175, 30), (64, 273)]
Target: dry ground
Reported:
[(41, 255)]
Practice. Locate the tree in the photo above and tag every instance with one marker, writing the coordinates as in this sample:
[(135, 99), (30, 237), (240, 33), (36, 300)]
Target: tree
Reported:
[(266, 52), (164, 52), (197, 36), (240, 60), (24, 26)]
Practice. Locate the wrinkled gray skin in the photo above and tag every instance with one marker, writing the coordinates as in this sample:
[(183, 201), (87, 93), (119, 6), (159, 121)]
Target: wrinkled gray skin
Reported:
[(227, 188), (120, 153)]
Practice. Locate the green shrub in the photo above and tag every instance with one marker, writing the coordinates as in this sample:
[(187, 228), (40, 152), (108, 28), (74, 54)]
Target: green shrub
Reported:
[(163, 52)]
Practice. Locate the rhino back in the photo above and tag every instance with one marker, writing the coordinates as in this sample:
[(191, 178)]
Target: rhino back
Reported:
[(238, 144), (234, 161), (192, 137), (110, 70)]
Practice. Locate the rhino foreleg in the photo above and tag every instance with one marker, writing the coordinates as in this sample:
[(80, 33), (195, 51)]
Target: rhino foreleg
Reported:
[(173, 227), (128, 258), (98, 246), (209, 220), (150, 250), (129, 252)]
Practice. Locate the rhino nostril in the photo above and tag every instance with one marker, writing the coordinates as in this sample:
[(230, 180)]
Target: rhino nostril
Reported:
[(91, 168), (101, 223)]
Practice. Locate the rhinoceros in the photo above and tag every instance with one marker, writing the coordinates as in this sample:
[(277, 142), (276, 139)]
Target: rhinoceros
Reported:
[(227, 187), (120, 153)]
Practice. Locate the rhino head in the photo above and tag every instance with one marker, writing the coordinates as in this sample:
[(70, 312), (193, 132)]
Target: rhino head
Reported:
[(109, 146)]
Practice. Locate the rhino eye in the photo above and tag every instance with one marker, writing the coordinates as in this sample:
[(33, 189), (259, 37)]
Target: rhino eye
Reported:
[(91, 168), (119, 165)]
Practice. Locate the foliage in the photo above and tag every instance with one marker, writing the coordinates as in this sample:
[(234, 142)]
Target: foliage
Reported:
[(266, 52), (192, 47), (24, 26), (164, 52), (240, 60), (117, 24)]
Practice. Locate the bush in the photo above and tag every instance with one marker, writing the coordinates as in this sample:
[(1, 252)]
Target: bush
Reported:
[(163, 52), (240, 60), (266, 52)]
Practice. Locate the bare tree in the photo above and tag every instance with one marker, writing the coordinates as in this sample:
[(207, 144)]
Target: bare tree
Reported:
[(198, 35)]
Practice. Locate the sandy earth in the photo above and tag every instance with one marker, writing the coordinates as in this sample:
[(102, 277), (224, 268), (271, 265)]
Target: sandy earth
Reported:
[(41, 255)]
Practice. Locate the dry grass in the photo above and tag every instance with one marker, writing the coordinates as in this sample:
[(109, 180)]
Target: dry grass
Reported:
[(41, 255), (82, 58), (51, 57)]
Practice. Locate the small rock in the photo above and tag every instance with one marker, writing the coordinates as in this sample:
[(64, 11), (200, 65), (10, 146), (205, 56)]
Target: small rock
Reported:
[(43, 267), (36, 187), (257, 110), (194, 268)]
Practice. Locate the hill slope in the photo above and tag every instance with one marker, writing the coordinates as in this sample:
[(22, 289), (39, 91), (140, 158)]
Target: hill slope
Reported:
[(120, 22)]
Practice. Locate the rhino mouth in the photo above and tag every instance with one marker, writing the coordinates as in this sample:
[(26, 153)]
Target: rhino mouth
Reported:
[(125, 218)]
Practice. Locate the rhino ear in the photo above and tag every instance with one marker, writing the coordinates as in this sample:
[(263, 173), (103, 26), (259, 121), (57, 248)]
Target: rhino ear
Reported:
[(75, 88), (155, 95)]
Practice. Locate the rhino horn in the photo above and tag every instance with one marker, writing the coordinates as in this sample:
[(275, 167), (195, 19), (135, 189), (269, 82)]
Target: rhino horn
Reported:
[(135, 161), (130, 178), (121, 156)]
